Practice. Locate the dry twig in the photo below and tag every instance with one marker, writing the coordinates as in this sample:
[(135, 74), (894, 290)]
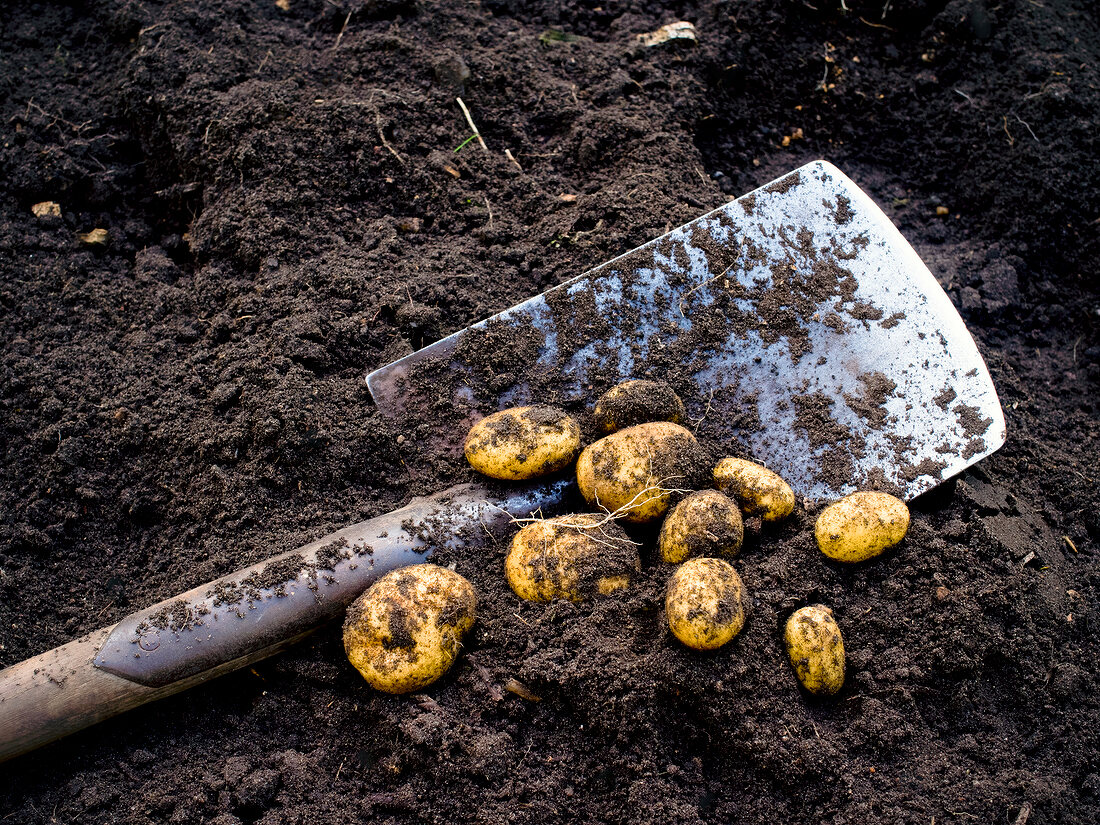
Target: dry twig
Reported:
[(470, 121), (343, 29), (382, 137), (703, 284)]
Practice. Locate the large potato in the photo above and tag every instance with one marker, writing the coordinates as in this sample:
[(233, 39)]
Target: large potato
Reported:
[(706, 523), (816, 649), (636, 402), (406, 630), (570, 557), (861, 526), (633, 473), (523, 442), (758, 490), (705, 603)]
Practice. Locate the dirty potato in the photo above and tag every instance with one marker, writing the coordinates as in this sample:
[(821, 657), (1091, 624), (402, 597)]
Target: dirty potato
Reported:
[(570, 557), (636, 402), (635, 472), (705, 603), (758, 490), (861, 526), (523, 442), (406, 630), (816, 649), (706, 523)]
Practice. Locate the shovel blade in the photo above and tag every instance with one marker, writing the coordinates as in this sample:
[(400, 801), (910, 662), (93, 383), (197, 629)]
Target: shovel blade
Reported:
[(797, 324)]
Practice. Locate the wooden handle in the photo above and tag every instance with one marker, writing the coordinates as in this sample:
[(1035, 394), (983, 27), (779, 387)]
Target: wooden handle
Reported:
[(60, 692), (239, 619)]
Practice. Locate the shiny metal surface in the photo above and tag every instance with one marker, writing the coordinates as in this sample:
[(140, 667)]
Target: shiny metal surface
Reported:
[(837, 359)]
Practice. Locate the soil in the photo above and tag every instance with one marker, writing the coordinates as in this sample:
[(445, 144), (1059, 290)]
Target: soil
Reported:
[(285, 210)]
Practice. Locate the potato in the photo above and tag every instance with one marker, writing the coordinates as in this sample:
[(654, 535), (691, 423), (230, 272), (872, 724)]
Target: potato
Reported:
[(634, 472), (861, 526), (523, 442), (406, 630), (705, 603), (706, 523), (570, 557), (636, 402), (816, 649), (758, 490)]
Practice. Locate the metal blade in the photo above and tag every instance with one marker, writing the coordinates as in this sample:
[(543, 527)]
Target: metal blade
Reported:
[(797, 324)]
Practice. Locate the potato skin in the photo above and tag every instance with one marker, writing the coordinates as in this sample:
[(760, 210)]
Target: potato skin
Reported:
[(406, 630), (705, 523), (572, 557), (613, 472), (758, 490), (637, 401), (861, 526), (523, 442), (816, 649), (705, 603)]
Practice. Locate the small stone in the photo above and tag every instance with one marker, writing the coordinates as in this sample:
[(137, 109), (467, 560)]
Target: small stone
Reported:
[(451, 72), (942, 593), (46, 210), (681, 31), (942, 210), (97, 237)]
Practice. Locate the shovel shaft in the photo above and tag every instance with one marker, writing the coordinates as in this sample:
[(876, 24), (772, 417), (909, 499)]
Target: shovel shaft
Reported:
[(241, 618), (61, 691)]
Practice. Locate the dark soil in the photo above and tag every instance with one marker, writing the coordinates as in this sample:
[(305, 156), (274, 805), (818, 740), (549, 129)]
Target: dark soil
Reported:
[(285, 211)]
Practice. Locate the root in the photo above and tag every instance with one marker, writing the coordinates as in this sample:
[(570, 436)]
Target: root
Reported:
[(639, 500)]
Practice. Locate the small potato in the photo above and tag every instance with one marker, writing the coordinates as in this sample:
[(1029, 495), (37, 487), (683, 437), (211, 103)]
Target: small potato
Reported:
[(758, 490), (705, 603), (406, 630), (634, 472), (570, 557), (636, 402), (816, 649), (523, 442), (861, 526), (706, 523)]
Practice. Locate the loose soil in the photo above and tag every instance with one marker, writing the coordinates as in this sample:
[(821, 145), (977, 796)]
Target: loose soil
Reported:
[(285, 210)]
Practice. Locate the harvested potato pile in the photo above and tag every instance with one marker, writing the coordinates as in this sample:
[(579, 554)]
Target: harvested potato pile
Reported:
[(406, 630), (402, 637), (570, 557)]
